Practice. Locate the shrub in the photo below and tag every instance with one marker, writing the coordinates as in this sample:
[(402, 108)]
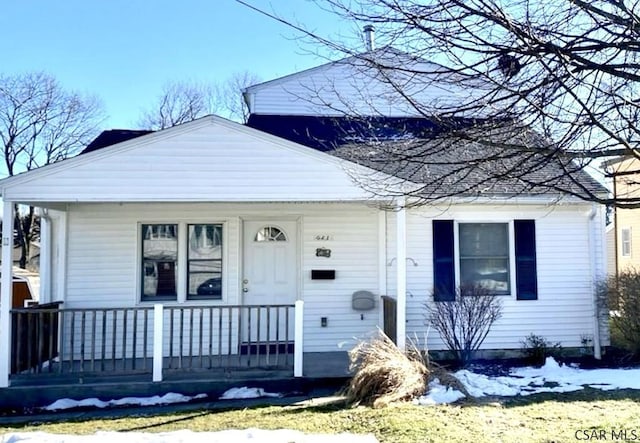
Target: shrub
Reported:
[(622, 295), (464, 323), (537, 348), (384, 374)]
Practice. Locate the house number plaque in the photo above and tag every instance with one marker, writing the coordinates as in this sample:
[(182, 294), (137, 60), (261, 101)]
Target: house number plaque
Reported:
[(323, 252), (323, 237)]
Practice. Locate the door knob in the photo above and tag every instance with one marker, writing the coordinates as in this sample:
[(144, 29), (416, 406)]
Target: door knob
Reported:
[(245, 289)]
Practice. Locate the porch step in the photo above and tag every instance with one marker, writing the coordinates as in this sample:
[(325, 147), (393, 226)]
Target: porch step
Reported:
[(263, 348)]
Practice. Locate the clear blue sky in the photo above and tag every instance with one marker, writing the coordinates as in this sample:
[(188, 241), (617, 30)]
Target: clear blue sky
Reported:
[(125, 50)]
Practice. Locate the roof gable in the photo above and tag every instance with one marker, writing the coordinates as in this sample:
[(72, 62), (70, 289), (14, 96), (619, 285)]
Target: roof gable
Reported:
[(210, 159), (363, 84)]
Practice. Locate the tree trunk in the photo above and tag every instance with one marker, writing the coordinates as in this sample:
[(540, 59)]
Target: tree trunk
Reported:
[(24, 226)]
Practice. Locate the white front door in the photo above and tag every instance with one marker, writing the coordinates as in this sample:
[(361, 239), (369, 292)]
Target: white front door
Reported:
[(270, 277), (270, 262)]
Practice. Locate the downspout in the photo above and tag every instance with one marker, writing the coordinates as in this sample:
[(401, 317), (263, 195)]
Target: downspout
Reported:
[(597, 350), (45, 255)]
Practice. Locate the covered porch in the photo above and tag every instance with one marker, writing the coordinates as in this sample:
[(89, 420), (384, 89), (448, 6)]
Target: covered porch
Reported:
[(56, 343), (158, 247)]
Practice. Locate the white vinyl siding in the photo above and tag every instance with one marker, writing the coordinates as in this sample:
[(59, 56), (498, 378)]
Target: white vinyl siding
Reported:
[(563, 311), (335, 89), (353, 240), (103, 261)]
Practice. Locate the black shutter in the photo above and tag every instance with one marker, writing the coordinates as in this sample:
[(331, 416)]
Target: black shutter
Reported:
[(526, 268), (443, 264)]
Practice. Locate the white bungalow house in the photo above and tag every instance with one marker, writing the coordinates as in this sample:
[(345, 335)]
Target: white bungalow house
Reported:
[(214, 243)]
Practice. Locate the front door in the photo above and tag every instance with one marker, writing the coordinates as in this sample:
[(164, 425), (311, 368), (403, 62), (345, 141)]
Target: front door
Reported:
[(270, 276)]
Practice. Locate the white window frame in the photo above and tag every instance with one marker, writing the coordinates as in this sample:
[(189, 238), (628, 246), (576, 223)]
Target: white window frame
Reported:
[(139, 262), (512, 250), (182, 265), (187, 240), (626, 242)]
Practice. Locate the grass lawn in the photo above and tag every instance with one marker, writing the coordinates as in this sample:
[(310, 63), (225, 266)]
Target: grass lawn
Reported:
[(538, 418)]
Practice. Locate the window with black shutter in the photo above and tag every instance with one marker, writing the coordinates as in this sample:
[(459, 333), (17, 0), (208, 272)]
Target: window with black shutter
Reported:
[(443, 261), (484, 258), (526, 267)]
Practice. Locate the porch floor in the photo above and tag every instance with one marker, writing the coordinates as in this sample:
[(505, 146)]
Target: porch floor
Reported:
[(33, 390)]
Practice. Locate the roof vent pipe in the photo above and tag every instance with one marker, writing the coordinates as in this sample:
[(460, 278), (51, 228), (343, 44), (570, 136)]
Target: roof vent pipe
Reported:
[(369, 37)]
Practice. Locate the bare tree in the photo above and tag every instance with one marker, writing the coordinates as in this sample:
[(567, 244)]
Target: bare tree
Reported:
[(230, 97), (465, 322), (184, 101), (527, 86), (41, 123), (179, 102)]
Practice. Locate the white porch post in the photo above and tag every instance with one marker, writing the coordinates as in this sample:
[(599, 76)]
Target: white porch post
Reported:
[(382, 261), (298, 339), (158, 332), (401, 276), (6, 292)]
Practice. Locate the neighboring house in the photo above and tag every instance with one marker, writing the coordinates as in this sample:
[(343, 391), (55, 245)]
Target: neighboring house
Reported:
[(33, 262), (26, 287), (221, 245), (610, 236), (626, 222)]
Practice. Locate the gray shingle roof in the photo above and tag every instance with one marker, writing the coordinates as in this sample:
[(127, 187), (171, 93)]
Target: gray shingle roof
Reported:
[(500, 163), (445, 157)]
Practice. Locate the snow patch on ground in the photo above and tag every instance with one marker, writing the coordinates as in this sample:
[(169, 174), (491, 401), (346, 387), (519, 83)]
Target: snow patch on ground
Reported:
[(231, 436), (439, 394), (169, 398), (244, 392), (551, 377)]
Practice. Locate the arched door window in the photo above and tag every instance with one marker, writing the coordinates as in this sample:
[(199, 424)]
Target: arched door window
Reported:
[(270, 233)]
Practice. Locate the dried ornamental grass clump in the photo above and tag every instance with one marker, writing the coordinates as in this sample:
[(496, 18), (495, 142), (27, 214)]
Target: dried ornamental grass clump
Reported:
[(383, 374)]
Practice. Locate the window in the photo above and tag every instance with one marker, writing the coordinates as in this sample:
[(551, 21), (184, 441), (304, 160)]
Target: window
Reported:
[(270, 233), (159, 261), (484, 256), (204, 266), (172, 270), (625, 237)]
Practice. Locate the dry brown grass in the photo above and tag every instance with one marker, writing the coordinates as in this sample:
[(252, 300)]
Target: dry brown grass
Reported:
[(383, 374)]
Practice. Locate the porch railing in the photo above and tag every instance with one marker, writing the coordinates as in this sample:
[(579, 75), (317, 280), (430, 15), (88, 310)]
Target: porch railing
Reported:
[(156, 339), (237, 337), (35, 336)]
